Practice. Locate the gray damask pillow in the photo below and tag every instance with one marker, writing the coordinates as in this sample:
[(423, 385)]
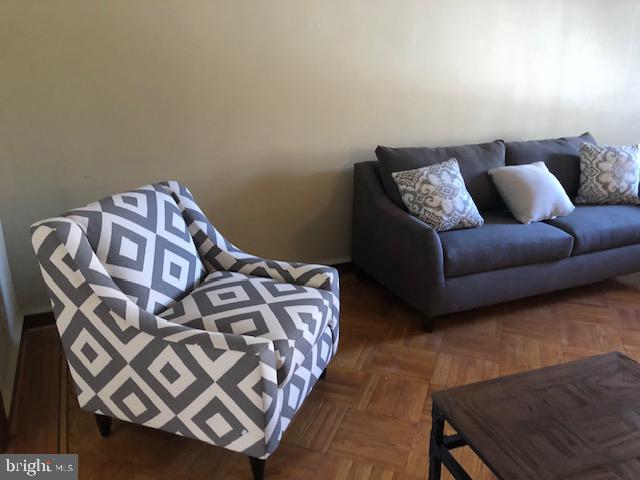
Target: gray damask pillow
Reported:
[(609, 175), (436, 194)]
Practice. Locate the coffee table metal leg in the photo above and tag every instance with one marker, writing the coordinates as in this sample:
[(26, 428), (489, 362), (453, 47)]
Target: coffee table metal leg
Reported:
[(435, 443), (440, 446)]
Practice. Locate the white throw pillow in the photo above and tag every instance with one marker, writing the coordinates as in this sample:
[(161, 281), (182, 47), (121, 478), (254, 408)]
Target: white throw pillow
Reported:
[(531, 192)]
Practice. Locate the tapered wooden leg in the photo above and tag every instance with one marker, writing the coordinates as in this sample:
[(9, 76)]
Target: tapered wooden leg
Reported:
[(323, 374), (427, 324), (104, 424), (257, 467)]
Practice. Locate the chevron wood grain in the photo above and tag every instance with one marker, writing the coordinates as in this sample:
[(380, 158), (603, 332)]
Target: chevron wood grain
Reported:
[(370, 417)]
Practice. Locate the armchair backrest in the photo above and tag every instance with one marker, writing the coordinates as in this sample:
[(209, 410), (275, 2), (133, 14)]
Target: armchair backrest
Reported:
[(144, 244)]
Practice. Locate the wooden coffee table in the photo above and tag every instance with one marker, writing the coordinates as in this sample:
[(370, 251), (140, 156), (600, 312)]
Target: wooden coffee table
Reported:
[(576, 421)]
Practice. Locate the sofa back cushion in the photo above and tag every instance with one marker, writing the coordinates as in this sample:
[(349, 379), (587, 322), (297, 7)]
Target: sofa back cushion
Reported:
[(561, 155), (474, 161), (144, 244)]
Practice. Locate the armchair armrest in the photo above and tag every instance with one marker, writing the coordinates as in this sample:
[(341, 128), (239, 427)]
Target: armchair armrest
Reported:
[(220, 254), (399, 250), (311, 275)]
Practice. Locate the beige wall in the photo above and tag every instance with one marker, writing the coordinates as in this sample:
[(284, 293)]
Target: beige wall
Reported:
[(262, 106)]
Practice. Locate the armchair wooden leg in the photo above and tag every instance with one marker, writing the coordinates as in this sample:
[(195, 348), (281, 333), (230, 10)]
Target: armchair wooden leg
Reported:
[(257, 467), (104, 424)]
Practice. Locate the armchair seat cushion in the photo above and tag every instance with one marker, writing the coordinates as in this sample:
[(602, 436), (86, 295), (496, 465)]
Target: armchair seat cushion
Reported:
[(601, 227), (293, 317), (502, 242)]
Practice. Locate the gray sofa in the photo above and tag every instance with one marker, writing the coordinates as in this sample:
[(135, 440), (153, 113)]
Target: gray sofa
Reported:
[(441, 273)]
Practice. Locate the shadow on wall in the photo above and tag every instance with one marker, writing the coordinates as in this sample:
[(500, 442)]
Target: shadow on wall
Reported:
[(308, 215)]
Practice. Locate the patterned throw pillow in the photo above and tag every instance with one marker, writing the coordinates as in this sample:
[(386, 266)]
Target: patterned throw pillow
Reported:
[(436, 195), (609, 175)]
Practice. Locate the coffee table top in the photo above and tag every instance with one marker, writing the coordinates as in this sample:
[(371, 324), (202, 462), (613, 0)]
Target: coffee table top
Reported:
[(579, 420)]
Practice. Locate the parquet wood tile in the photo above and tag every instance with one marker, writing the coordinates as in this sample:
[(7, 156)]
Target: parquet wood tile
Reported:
[(403, 333), (397, 398), (347, 386), (35, 423), (319, 422), (463, 344), (370, 418), (518, 354), (453, 370), (356, 352), (374, 439), (396, 361)]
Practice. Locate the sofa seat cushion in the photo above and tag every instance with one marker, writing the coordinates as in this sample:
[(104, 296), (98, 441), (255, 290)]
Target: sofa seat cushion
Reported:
[(502, 242), (291, 316), (600, 227)]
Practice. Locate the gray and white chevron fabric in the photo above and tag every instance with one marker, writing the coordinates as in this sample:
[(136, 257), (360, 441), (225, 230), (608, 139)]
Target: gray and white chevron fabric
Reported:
[(223, 381), (292, 395), (291, 316), (143, 241)]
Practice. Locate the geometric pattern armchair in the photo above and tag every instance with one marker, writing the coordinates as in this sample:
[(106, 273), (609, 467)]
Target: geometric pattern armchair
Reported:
[(164, 323)]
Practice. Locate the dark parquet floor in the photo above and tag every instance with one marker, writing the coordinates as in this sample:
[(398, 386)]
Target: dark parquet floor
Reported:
[(370, 418)]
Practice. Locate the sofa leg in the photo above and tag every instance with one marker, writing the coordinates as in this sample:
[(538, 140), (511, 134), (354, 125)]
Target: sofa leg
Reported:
[(323, 374), (427, 324), (104, 424), (257, 467)]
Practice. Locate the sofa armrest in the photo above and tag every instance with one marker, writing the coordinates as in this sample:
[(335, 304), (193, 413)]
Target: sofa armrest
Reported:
[(397, 249)]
